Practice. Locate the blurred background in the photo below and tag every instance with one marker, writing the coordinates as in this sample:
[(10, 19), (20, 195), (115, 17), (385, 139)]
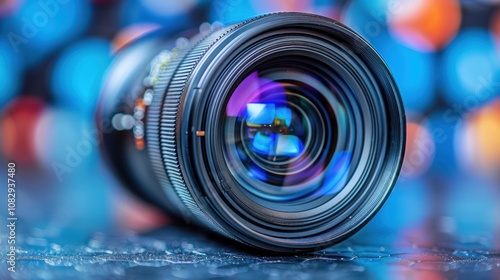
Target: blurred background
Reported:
[(445, 56)]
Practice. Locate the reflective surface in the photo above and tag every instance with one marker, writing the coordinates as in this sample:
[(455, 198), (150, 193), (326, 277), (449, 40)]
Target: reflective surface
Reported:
[(184, 253)]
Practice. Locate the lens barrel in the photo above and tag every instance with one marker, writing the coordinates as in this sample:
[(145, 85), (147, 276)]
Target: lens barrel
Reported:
[(285, 132)]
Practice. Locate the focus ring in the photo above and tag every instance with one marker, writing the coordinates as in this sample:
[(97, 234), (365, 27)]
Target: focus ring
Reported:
[(169, 121), (153, 127)]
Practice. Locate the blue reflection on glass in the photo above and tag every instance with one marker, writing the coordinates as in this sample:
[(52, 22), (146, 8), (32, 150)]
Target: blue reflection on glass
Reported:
[(260, 113), (277, 144), (288, 145), (263, 144), (336, 174), (284, 115), (258, 173), (241, 154)]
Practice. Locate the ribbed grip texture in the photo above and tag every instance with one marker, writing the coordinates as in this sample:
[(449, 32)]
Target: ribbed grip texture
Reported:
[(164, 119), (153, 129), (169, 122)]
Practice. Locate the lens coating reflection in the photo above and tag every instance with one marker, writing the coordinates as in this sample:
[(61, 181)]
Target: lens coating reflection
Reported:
[(282, 130)]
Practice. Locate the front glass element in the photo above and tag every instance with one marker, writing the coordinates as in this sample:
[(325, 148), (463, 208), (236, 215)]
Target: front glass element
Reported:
[(288, 137)]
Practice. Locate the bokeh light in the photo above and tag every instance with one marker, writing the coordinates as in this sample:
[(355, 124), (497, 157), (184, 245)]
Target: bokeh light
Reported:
[(407, 208), (17, 127), (425, 25), (426, 267), (7, 7), (443, 126), (9, 73), (132, 214), (78, 73), (495, 28), (478, 141), (262, 6), (39, 27), (368, 18), (228, 12), (171, 14), (322, 7), (420, 149), (470, 69), (466, 200), (232, 11), (413, 70), (169, 7), (76, 192), (64, 140)]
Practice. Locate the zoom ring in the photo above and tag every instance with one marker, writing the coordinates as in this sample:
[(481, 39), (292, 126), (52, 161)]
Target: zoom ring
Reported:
[(169, 121), (153, 128)]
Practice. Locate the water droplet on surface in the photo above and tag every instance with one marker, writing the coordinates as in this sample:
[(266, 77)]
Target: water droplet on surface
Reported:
[(57, 248), (198, 253), (174, 253)]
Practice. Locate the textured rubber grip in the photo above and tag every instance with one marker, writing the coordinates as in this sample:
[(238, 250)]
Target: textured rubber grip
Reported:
[(165, 116)]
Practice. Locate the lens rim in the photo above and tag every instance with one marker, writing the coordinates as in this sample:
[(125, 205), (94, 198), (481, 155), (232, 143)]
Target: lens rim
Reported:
[(206, 180)]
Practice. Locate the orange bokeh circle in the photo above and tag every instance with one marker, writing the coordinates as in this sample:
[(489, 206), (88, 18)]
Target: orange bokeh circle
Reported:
[(425, 25)]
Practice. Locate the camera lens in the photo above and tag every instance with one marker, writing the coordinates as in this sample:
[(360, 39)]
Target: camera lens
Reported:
[(285, 132)]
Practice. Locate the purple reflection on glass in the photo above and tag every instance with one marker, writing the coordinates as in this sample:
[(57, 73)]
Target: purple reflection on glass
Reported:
[(254, 89)]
